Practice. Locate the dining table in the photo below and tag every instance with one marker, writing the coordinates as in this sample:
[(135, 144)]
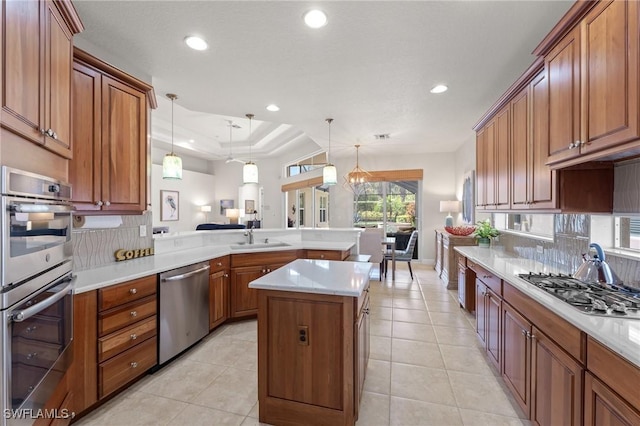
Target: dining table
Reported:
[(390, 245)]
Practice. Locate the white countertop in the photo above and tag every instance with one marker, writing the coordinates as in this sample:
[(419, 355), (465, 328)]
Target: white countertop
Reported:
[(104, 276), (620, 335), (318, 276)]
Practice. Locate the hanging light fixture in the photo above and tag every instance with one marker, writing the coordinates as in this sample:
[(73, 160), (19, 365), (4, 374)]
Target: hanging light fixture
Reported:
[(357, 176), (171, 164), (250, 170), (329, 172)]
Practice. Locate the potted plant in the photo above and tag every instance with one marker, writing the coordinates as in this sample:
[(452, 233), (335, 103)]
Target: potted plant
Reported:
[(484, 232)]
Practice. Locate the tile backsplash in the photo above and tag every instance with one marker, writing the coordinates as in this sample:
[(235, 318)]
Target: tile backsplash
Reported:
[(93, 247)]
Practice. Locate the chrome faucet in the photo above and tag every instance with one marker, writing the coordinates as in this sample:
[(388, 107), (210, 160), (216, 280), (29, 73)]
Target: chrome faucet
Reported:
[(249, 235)]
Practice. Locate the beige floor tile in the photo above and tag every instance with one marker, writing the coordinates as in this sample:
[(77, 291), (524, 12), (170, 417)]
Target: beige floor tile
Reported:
[(416, 353), (381, 313), (255, 410), (411, 315), (413, 331), (222, 350), (235, 391), (407, 294), (477, 418), (471, 392), (421, 383), (245, 330), (467, 359), (449, 319), (378, 376), (381, 300), (252, 421), (456, 336), (196, 415), (405, 412), (380, 328), (409, 304), (374, 410), (380, 348), (439, 306), (437, 296), (248, 359), (181, 380)]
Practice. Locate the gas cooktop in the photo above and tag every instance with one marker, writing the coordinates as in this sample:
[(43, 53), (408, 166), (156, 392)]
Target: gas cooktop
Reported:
[(593, 299)]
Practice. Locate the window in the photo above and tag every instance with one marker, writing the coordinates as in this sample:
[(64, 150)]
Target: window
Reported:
[(301, 209), (539, 225), (307, 164), (391, 205), (322, 209)]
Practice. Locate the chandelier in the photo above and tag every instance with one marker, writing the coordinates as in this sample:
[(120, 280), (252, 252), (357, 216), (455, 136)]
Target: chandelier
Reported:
[(329, 172), (250, 170), (357, 177)]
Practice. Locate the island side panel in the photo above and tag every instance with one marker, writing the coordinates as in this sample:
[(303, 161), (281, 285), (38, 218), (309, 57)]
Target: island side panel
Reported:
[(300, 383)]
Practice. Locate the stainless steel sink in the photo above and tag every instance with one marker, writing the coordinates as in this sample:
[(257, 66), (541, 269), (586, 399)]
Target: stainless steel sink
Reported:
[(258, 246)]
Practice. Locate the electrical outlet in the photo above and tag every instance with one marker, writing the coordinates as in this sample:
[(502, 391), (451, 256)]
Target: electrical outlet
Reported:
[(143, 230), (540, 249)]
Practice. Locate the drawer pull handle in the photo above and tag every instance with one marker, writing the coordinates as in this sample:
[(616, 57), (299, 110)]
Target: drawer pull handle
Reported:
[(134, 364), (366, 311), (32, 355), (322, 256), (134, 314), (525, 333), (133, 336), (31, 329), (219, 264), (487, 276), (133, 291), (226, 275)]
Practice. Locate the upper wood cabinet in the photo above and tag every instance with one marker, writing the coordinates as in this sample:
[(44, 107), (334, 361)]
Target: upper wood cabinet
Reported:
[(593, 87), (110, 127), (492, 162), (36, 71)]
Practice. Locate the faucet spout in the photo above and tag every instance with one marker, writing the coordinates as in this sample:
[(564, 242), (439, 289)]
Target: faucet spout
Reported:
[(249, 235)]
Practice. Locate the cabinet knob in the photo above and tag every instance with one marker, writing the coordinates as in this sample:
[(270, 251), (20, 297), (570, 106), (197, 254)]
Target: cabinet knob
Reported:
[(134, 336), (99, 203), (219, 264), (525, 333), (486, 276), (268, 270), (572, 145), (134, 314), (107, 203), (31, 329), (32, 355), (264, 271), (366, 311), (133, 291), (49, 132), (134, 364), (226, 275), (322, 256)]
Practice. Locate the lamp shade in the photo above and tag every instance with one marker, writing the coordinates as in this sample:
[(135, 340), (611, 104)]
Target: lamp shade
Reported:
[(206, 209), (233, 215), (329, 175), (250, 173), (449, 206), (171, 167)]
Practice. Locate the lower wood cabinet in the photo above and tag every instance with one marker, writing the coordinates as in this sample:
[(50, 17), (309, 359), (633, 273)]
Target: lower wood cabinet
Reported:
[(327, 254), (447, 258), (516, 367), (218, 298), (488, 323), (466, 286), (362, 351), (603, 407)]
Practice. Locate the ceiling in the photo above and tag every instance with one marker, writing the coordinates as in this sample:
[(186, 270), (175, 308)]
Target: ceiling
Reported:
[(370, 69)]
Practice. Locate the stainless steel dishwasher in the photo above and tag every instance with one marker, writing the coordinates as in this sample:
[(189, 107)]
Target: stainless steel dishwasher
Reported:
[(184, 309)]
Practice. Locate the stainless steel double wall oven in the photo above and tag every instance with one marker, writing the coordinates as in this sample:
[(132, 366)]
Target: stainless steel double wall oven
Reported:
[(36, 295)]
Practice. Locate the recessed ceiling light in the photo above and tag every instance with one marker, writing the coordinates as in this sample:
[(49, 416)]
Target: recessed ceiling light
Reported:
[(273, 108), (315, 18), (192, 141), (440, 88), (196, 43)]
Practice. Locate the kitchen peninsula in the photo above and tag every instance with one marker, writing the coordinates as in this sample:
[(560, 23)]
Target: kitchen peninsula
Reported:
[(313, 341)]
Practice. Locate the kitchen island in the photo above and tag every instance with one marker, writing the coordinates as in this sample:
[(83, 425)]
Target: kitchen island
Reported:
[(313, 341)]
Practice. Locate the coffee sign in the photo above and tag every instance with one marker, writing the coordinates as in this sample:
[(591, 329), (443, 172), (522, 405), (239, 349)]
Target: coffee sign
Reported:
[(124, 254)]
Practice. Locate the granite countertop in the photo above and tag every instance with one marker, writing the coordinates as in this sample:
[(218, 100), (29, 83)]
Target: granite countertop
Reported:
[(104, 276), (318, 277), (620, 335)]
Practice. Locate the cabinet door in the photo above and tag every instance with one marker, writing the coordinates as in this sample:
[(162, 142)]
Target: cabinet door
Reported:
[(244, 300), (58, 70), (22, 68), (603, 407), (490, 165), (218, 298), (563, 75), (520, 150), (493, 327), (502, 158), (84, 368), (461, 285), (362, 352), (556, 397), (611, 74), (516, 370), (481, 295), (481, 167), (124, 148), (84, 168), (542, 180)]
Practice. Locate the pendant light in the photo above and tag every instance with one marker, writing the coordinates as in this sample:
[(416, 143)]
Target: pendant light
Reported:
[(250, 170), (357, 176), (172, 164), (329, 172)]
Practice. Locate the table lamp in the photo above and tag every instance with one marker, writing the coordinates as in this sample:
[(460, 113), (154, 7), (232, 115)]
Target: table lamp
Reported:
[(233, 215), (449, 207), (206, 210)]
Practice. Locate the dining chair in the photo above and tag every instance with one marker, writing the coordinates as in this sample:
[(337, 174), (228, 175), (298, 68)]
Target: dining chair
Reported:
[(404, 255), (370, 244)]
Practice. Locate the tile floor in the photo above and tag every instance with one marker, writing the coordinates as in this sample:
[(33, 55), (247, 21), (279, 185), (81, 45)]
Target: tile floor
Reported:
[(426, 368)]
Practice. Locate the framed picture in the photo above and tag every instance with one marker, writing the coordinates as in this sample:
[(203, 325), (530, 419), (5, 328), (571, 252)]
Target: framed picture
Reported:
[(249, 206), (169, 205), (225, 204), (468, 197)]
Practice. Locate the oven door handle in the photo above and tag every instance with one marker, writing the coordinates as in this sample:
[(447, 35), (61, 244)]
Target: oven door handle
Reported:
[(40, 208), (38, 307)]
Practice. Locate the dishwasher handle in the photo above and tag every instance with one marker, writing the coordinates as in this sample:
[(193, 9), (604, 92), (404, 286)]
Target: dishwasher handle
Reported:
[(186, 274)]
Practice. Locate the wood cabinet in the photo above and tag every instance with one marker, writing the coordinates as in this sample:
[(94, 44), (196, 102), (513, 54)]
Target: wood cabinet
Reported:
[(327, 254), (246, 268), (466, 285), (493, 163), (36, 77), (312, 356), (218, 291), (603, 407), (84, 369), (110, 138), (488, 312), (516, 369), (447, 258)]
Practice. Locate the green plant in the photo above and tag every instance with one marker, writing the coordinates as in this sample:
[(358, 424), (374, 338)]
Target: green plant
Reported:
[(485, 230)]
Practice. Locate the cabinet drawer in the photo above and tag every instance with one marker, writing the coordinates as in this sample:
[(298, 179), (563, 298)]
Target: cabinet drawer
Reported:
[(219, 264), (263, 258), (42, 328), (127, 292), (122, 316), (360, 302), (327, 254), (125, 367), (490, 280), (35, 352), (117, 342)]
